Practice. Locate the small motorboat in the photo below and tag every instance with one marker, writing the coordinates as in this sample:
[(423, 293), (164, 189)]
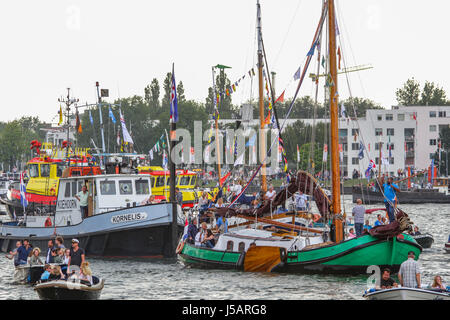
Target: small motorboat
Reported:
[(70, 289), (425, 240), (447, 246), (407, 294)]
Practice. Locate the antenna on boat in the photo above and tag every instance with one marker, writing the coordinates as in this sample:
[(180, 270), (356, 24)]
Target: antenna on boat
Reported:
[(100, 112), (68, 102)]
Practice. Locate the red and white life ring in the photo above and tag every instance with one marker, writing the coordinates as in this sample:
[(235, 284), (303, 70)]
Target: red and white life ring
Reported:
[(48, 222), (180, 247)]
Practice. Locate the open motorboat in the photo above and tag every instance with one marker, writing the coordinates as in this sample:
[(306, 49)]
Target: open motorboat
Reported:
[(425, 240), (70, 289), (403, 293)]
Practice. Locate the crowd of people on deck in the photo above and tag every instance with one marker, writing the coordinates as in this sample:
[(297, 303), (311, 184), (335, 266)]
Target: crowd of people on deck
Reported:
[(58, 262)]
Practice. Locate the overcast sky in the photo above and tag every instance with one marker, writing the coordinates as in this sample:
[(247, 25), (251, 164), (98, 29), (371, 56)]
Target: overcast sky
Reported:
[(48, 46)]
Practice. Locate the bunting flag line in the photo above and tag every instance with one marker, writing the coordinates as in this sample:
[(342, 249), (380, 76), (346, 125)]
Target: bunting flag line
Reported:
[(280, 98)]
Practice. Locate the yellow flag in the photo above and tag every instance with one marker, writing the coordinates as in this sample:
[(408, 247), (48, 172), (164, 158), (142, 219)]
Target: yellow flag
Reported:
[(60, 116)]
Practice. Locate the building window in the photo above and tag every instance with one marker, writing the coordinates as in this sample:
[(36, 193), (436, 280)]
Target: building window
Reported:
[(432, 142), (378, 131), (355, 146), (442, 114), (401, 117), (389, 144), (432, 114), (389, 117), (355, 160), (431, 155), (391, 160), (355, 132), (378, 145), (379, 117), (390, 131), (432, 128)]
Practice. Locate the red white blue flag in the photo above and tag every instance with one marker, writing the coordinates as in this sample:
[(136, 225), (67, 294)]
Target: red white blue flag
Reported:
[(173, 100)]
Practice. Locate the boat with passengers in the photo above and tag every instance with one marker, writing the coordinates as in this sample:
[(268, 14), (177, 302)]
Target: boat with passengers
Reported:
[(118, 222)]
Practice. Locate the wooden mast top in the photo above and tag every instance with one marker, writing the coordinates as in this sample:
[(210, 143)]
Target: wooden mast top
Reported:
[(336, 199)]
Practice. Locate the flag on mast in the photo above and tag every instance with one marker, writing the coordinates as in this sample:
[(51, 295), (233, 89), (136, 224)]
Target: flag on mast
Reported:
[(173, 99), (298, 154), (126, 135), (60, 116), (111, 115)]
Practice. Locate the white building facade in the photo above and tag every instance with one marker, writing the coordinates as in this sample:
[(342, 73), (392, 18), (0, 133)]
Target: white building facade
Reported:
[(412, 133)]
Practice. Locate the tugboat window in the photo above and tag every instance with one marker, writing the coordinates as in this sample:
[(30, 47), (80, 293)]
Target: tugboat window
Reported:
[(33, 170), (74, 188), (230, 245), (107, 187), (142, 187), (125, 187), (241, 246), (160, 182), (184, 181), (67, 191), (45, 170)]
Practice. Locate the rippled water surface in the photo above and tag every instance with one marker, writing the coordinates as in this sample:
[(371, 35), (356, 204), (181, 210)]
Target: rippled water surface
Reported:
[(169, 279)]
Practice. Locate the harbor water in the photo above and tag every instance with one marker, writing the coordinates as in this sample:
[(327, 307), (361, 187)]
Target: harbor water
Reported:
[(138, 279)]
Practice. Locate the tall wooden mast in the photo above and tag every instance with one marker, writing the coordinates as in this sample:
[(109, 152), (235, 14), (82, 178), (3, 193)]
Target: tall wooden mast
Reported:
[(262, 142), (336, 200)]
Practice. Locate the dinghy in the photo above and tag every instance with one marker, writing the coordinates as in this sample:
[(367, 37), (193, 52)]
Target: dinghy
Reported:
[(407, 294), (70, 290)]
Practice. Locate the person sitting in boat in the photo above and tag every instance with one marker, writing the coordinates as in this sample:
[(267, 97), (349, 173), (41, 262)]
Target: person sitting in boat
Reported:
[(301, 201), (66, 256), (46, 274), (191, 232), (150, 200), (14, 254), (222, 224), (59, 258), (203, 202), (34, 259), (56, 273), (367, 226), (271, 193), (416, 231), (219, 203), (386, 282), (49, 257), (389, 191), (85, 273), (351, 233), (209, 241), (201, 234), (379, 221), (437, 283)]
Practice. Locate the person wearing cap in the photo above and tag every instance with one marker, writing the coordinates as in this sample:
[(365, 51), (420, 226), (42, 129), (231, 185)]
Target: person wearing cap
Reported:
[(76, 254), (409, 274)]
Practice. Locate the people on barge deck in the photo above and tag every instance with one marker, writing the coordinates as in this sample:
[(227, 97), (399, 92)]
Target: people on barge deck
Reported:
[(83, 197), (358, 213)]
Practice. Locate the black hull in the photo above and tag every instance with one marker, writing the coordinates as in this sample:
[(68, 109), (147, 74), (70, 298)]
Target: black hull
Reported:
[(425, 240), (404, 197), (67, 294), (147, 242)]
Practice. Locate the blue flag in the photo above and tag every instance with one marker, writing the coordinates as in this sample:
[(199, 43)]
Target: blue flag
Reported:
[(251, 141), (111, 115), (173, 99), (361, 150)]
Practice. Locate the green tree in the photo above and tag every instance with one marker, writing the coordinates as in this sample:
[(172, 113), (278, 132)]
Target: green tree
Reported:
[(432, 95), (151, 94), (360, 106), (409, 94)]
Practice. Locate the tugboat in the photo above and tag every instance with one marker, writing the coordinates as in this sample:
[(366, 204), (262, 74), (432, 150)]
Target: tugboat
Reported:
[(116, 225)]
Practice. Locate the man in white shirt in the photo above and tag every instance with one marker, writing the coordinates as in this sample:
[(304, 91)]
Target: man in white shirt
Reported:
[(301, 201), (270, 195)]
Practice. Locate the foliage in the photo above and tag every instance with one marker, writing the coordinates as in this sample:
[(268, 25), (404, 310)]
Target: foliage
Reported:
[(411, 95)]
